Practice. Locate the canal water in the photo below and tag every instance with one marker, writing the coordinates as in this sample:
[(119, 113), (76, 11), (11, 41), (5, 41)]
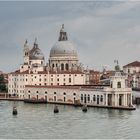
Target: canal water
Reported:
[(38, 121)]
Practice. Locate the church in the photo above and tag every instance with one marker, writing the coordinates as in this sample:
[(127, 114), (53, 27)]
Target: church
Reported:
[(63, 67), (64, 80)]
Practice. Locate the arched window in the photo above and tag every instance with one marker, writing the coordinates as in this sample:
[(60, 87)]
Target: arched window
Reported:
[(37, 97), (88, 97), (98, 101), (119, 84), (53, 65), (69, 80), (81, 97), (94, 98), (62, 66), (28, 96), (85, 99), (67, 66), (101, 99)]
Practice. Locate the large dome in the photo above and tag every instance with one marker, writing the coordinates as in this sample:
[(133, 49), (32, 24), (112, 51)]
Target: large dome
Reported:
[(63, 48)]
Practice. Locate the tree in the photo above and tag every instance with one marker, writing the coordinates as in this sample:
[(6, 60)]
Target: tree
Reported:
[(1, 78), (3, 87)]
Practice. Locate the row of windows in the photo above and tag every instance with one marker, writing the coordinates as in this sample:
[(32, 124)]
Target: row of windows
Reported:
[(16, 91), (54, 92), (94, 97), (39, 79), (12, 86)]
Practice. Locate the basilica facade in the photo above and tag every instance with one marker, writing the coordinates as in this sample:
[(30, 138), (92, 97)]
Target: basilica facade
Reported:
[(63, 67)]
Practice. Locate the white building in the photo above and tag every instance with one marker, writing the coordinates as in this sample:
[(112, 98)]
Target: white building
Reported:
[(117, 95), (63, 79), (63, 68)]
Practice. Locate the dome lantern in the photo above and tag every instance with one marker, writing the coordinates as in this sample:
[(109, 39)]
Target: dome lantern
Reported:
[(63, 34), (63, 55)]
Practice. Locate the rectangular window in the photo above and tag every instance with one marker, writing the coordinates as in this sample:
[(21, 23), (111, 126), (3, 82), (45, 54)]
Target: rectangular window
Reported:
[(69, 80)]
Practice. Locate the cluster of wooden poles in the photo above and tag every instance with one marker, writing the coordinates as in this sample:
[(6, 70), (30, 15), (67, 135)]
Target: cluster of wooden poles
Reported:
[(56, 109)]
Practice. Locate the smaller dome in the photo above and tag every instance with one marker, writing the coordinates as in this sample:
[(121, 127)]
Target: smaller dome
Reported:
[(36, 54)]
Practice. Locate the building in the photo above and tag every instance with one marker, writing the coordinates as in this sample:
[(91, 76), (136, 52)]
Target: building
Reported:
[(132, 70), (94, 77), (117, 95), (63, 67), (64, 79)]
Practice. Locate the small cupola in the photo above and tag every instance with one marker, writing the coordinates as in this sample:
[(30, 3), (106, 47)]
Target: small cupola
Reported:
[(62, 34), (118, 79)]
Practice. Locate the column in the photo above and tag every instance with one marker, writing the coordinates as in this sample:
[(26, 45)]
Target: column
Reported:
[(115, 99), (118, 99), (106, 99), (131, 98), (124, 99)]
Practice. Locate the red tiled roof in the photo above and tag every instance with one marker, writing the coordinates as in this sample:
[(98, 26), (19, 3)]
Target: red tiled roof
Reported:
[(46, 72), (94, 72), (133, 64), (18, 72)]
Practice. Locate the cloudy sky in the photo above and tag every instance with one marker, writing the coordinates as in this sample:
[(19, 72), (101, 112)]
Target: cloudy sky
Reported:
[(101, 31)]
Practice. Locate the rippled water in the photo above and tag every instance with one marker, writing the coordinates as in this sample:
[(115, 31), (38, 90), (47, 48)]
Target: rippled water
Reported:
[(39, 121)]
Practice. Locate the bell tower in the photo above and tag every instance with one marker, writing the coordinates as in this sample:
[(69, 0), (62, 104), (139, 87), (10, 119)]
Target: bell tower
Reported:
[(26, 53)]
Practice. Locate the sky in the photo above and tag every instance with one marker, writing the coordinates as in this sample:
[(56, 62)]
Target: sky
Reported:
[(102, 31)]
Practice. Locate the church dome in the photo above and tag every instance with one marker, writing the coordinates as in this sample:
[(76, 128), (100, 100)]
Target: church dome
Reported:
[(35, 53), (63, 47)]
